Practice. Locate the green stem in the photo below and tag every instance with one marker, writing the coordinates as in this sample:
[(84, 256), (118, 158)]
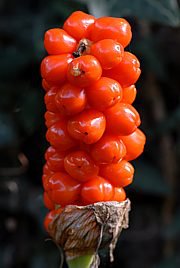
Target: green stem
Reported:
[(81, 261)]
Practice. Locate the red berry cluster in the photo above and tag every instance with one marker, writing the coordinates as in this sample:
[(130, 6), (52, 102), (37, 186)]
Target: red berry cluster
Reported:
[(92, 126)]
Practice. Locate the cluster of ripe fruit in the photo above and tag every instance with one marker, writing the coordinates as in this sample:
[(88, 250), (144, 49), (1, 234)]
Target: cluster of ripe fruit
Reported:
[(92, 126)]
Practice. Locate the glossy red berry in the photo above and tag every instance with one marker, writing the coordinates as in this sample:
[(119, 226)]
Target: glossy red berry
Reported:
[(78, 24), (108, 52), (119, 194), (97, 189), (111, 28), (122, 119), (109, 149), (51, 118), (129, 94), (46, 86), (48, 202), (134, 144), (55, 159), (58, 136), (127, 71), (87, 126), (57, 41), (84, 71), (80, 166), (63, 189), (54, 68), (70, 99), (119, 174), (104, 93), (49, 100)]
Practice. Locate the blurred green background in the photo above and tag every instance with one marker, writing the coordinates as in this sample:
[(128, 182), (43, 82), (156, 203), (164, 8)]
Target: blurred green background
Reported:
[(153, 239)]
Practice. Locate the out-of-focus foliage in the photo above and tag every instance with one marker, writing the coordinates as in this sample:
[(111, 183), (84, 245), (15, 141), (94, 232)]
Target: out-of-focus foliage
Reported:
[(153, 238)]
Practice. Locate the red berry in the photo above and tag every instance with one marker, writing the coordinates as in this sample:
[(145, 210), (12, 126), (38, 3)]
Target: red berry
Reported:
[(122, 119), (63, 189), (119, 174), (104, 93), (70, 99), (55, 159), (127, 71), (80, 166), (108, 52), (87, 126), (58, 136), (46, 86), (54, 68), (119, 194), (109, 149), (84, 71), (49, 100), (95, 190), (78, 24), (111, 28), (129, 94), (48, 202), (57, 41), (134, 144), (51, 118)]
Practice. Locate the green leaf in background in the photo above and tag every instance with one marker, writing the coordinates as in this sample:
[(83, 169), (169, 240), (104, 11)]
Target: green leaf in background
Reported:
[(148, 179), (160, 11)]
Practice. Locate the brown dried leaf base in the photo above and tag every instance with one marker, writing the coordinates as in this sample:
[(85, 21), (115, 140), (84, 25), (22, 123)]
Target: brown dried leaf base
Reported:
[(82, 230)]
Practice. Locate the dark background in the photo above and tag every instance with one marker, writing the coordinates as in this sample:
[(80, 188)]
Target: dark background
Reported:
[(152, 241)]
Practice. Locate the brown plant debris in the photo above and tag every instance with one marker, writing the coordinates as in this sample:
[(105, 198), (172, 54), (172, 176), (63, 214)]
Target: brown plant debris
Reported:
[(82, 230)]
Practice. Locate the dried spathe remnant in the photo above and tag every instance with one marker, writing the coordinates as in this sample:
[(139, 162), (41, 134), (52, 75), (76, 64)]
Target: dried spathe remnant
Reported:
[(82, 230)]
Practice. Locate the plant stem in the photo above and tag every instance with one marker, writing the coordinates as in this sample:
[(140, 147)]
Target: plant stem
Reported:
[(81, 261)]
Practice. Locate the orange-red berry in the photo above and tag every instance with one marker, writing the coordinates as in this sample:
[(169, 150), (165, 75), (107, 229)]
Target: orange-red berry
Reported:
[(111, 28), (134, 144), (104, 93), (58, 136), (129, 94), (57, 41), (63, 189), (119, 194), (109, 149), (80, 166), (108, 52), (87, 126), (54, 68), (55, 159), (84, 71), (48, 202), (119, 174), (49, 100), (70, 99), (78, 24), (127, 71), (97, 189), (51, 118), (122, 119)]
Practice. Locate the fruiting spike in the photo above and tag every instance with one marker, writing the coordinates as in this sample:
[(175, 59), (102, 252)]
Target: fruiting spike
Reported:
[(93, 131)]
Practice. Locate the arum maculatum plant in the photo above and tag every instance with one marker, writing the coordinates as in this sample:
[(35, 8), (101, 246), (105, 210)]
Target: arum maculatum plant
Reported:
[(93, 131)]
